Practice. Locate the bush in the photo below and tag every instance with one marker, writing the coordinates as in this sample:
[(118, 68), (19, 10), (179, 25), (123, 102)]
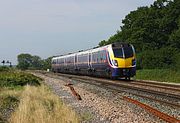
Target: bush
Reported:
[(139, 61), (4, 68), (11, 79), (161, 58), (177, 62)]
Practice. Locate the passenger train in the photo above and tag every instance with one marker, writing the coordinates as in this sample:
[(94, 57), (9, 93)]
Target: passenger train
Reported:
[(115, 60)]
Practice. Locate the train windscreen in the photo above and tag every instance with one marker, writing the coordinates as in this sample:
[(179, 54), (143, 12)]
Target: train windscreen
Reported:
[(125, 52), (118, 52), (128, 52)]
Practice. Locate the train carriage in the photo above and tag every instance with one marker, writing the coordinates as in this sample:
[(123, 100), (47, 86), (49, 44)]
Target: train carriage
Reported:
[(113, 60)]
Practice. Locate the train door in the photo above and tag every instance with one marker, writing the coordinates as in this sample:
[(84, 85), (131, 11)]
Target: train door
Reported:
[(75, 62), (89, 60), (65, 63)]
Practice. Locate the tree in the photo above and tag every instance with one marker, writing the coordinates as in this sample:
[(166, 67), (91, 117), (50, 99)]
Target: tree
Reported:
[(46, 63), (36, 62), (155, 33), (27, 61), (24, 61)]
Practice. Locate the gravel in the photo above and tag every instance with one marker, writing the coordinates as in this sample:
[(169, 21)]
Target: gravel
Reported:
[(98, 105), (172, 111)]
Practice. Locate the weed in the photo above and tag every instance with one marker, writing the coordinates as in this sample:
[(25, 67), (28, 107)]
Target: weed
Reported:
[(86, 116)]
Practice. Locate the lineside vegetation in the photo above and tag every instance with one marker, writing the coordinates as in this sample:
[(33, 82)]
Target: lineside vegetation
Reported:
[(162, 75), (24, 99)]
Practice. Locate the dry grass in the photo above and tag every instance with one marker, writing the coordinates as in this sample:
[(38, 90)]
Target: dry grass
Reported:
[(8, 92), (40, 105)]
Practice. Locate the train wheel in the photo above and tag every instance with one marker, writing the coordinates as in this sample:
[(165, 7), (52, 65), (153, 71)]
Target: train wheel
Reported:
[(128, 78)]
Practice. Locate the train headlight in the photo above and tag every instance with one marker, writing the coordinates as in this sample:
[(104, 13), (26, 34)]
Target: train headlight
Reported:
[(115, 63)]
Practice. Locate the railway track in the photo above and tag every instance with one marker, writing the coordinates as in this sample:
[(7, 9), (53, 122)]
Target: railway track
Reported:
[(120, 89), (120, 86), (161, 89), (153, 88), (123, 86), (173, 87)]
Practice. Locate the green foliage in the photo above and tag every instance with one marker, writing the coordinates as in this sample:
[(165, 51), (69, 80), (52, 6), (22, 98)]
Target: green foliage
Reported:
[(14, 79), (155, 33), (161, 58), (4, 68), (164, 75), (46, 63), (27, 61), (35, 62), (24, 61), (8, 101), (177, 62)]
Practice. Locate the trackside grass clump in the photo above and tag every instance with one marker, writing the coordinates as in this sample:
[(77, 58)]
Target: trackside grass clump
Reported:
[(40, 105), (9, 100), (164, 75), (11, 85)]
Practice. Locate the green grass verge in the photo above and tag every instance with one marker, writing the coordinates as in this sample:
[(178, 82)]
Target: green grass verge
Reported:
[(164, 75)]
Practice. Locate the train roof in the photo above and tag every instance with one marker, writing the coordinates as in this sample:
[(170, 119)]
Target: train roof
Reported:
[(116, 44), (80, 52)]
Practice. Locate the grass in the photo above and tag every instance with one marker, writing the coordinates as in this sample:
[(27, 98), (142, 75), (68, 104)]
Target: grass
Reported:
[(24, 99), (9, 100), (11, 85), (40, 105), (164, 75), (86, 116)]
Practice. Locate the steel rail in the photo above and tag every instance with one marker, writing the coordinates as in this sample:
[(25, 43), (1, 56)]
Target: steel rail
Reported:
[(169, 86), (165, 94), (159, 114), (165, 86), (126, 86), (159, 83), (120, 90)]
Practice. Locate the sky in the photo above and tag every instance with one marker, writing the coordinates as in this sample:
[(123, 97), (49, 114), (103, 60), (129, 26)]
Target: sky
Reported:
[(54, 27)]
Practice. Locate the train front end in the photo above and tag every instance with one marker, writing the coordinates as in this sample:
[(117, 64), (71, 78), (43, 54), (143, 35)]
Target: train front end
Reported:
[(122, 57)]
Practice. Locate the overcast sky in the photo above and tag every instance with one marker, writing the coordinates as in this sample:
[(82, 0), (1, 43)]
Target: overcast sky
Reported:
[(53, 27)]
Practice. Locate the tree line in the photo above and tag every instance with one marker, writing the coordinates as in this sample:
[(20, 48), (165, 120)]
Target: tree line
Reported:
[(28, 61), (155, 33)]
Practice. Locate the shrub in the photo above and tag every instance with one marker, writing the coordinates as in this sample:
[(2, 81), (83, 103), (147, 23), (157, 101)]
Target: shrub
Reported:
[(177, 62), (4, 68), (10, 79), (160, 58)]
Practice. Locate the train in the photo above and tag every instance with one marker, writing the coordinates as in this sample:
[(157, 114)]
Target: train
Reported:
[(116, 60)]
